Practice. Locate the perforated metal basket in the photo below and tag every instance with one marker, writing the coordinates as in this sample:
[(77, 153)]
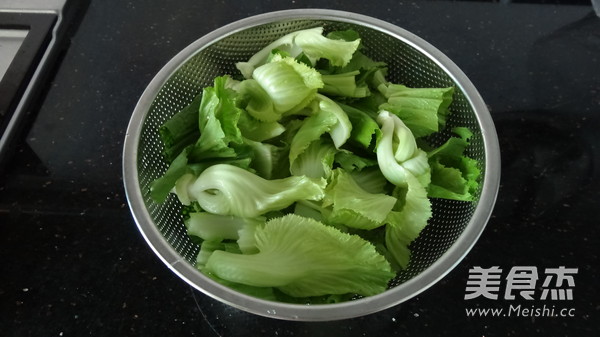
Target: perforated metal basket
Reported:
[(452, 231)]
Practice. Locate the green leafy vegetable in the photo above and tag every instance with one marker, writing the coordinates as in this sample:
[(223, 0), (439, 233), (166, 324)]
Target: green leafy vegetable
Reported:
[(289, 84), (329, 118), (180, 131), (453, 175), (228, 190), (354, 207), (310, 42), (218, 118), (316, 161), (308, 180), (423, 110), (214, 227), (352, 162), (266, 158), (340, 132), (160, 188), (371, 180), (259, 103), (324, 261), (405, 225), (344, 85), (256, 130), (311, 130), (365, 130), (397, 152)]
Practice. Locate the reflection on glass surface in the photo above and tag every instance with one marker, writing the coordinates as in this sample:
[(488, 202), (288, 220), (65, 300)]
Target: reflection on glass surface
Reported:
[(10, 42)]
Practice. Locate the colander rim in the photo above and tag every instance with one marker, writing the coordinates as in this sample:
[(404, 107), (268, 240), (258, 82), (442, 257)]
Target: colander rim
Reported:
[(345, 310)]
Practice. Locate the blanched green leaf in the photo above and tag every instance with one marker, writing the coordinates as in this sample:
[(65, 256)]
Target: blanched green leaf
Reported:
[(266, 158), (361, 170), (447, 183), (258, 103), (405, 225), (454, 147), (311, 129), (218, 118), (365, 65), (242, 162), (302, 58), (283, 44), (423, 110), (352, 205), (397, 152), (214, 227), (180, 130), (220, 138), (181, 187), (309, 209), (324, 261), (309, 42), (317, 46), (206, 250), (453, 174), (160, 188), (352, 162), (344, 85), (316, 161), (289, 84), (256, 130), (345, 35), (370, 179), (228, 190), (365, 130), (340, 131), (265, 293)]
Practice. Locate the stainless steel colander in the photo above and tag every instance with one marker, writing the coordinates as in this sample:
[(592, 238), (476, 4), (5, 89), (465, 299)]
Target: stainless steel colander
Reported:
[(452, 231)]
